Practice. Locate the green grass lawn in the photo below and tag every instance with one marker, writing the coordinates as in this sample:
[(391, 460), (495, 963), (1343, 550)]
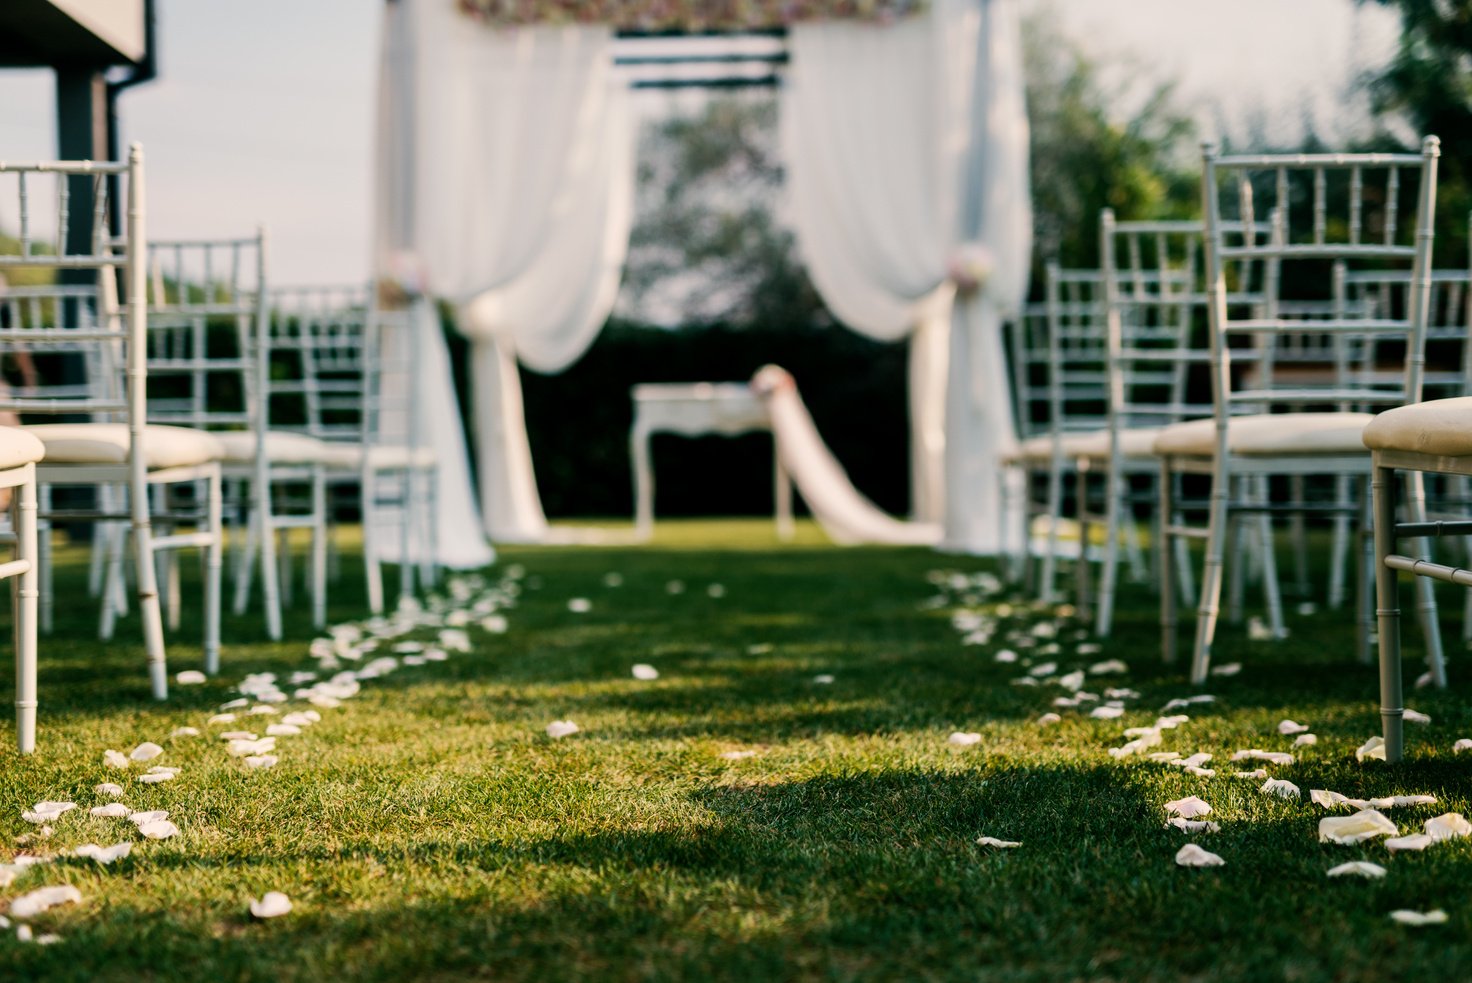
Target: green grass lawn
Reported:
[(429, 828)]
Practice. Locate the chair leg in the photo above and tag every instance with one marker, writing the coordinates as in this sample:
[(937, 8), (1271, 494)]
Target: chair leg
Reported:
[(1364, 573), (245, 560), (43, 557), (1048, 577), (214, 569), (150, 614), (1209, 603), (1387, 613), (1083, 575), (1165, 545), (319, 549), (270, 569), (1339, 551), (23, 513), (1425, 586), (1113, 494), (406, 535), (372, 568), (1237, 537), (1298, 531), (1272, 594), (430, 526)]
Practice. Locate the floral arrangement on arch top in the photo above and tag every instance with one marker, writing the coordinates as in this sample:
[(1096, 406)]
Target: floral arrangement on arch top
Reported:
[(687, 15)]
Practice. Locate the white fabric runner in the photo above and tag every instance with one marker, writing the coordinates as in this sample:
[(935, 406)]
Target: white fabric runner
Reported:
[(845, 515), (904, 142)]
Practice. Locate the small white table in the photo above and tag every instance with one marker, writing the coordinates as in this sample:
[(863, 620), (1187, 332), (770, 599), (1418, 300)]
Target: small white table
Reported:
[(692, 409)]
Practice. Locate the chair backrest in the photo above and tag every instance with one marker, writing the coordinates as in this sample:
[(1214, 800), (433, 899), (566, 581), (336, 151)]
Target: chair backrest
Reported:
[(1078, 371), (1155, 304), (1448, 323), (320, 361), (44, 322), (207, 321), (1031, 390), (1328, 212)]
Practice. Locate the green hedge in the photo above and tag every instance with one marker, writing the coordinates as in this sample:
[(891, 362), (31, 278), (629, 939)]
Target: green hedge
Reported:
[(578, 421)]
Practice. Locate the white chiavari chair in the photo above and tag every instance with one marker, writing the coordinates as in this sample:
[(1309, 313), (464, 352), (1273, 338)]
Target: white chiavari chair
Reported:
[(1277, 426), (116, 447)]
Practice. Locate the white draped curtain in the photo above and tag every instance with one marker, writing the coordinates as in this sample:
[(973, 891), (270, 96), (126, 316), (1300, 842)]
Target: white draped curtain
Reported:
[(907, 146), (510, 180)]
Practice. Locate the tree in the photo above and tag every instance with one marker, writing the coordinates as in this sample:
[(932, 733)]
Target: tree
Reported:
[(1427, 88)]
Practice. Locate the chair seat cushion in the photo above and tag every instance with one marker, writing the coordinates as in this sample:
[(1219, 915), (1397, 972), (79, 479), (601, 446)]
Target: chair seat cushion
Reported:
[(1134, 443), (349, 457), (1442, 427), (18, 447), (1269, 435), (107, 443), (282, 446)]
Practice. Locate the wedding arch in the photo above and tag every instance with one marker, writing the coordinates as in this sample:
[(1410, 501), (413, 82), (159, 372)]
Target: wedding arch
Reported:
[(506, 177)]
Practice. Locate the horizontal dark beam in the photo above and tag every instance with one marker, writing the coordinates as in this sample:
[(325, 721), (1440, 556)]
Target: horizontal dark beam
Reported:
[(725, 82), (750, 32), (772, 58)]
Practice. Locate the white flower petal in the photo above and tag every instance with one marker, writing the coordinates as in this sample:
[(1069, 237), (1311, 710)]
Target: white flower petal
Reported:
[(1271, 757), (1045, 669), (103, 855), (221, 718), (1106, 712), (261, 761), (1463, 744), (109, 789), (675, 587), (1305, 740), (561, 728), (1005, 655), (1188, 808), (1290, 727), (272, 905), (716, 591), (242, 748), (151, 816), (1449, 826), (1048, 718), (30, 905), (1415, 717), (160, 829), (283, 730), (580, 605), (1359, 868), (737, 755), (1363, 825), (1406, 917), (1105, 667), (185, 732), (114, 759), (1193, 825), (1192, 855), (1255, 773), (1000, 844), (113, 810), (237, 735), (1374, 749), (964, 738), (645, 672), (1281, 788), (190, 677), (1411, 841), (823, 679), (154, 777)]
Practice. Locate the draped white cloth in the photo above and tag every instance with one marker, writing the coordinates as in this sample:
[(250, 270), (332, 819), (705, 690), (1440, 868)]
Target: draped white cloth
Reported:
[(514, 188), (905, 143)]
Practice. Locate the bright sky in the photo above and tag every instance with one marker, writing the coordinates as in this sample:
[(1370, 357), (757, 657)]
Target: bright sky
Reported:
[(264, 110)]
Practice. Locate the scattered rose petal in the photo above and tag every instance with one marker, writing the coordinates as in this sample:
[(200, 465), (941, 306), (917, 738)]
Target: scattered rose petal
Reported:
[(1463, 744), (1281, 788), (156, 775), (561, 728), (283, 730), (1228, 669), (1305, 740), (580, 605), (237, 735), (613, 579), (496, 624), (1106, 712), (185, 732), (1255, 773), (263, 710), (160, 829), (296, 720), (1363, 825), (1045, 669), (737, 755), (190, 677), (272, 905), (645, 672), (30, 905), (1449, 826), (261, 761), (1424, 680), (1000, 844), (1415, 717), (109, 788), (823, 679), (1188, 808), (1105, 667), (675, 587), (1048, 718), (151, 816), (1193, 825), (114, 759), (242, 748), (1192, 855), (1411, 841), (1374, 749), (1199, 771), (1359, 868), (113, 810), (221, 718), (716, 591), (1289, 727), (235, 704), (1406, 917), (103, 855), (964, 738), (1005, 655), (1073, 681), (1271, 757)]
